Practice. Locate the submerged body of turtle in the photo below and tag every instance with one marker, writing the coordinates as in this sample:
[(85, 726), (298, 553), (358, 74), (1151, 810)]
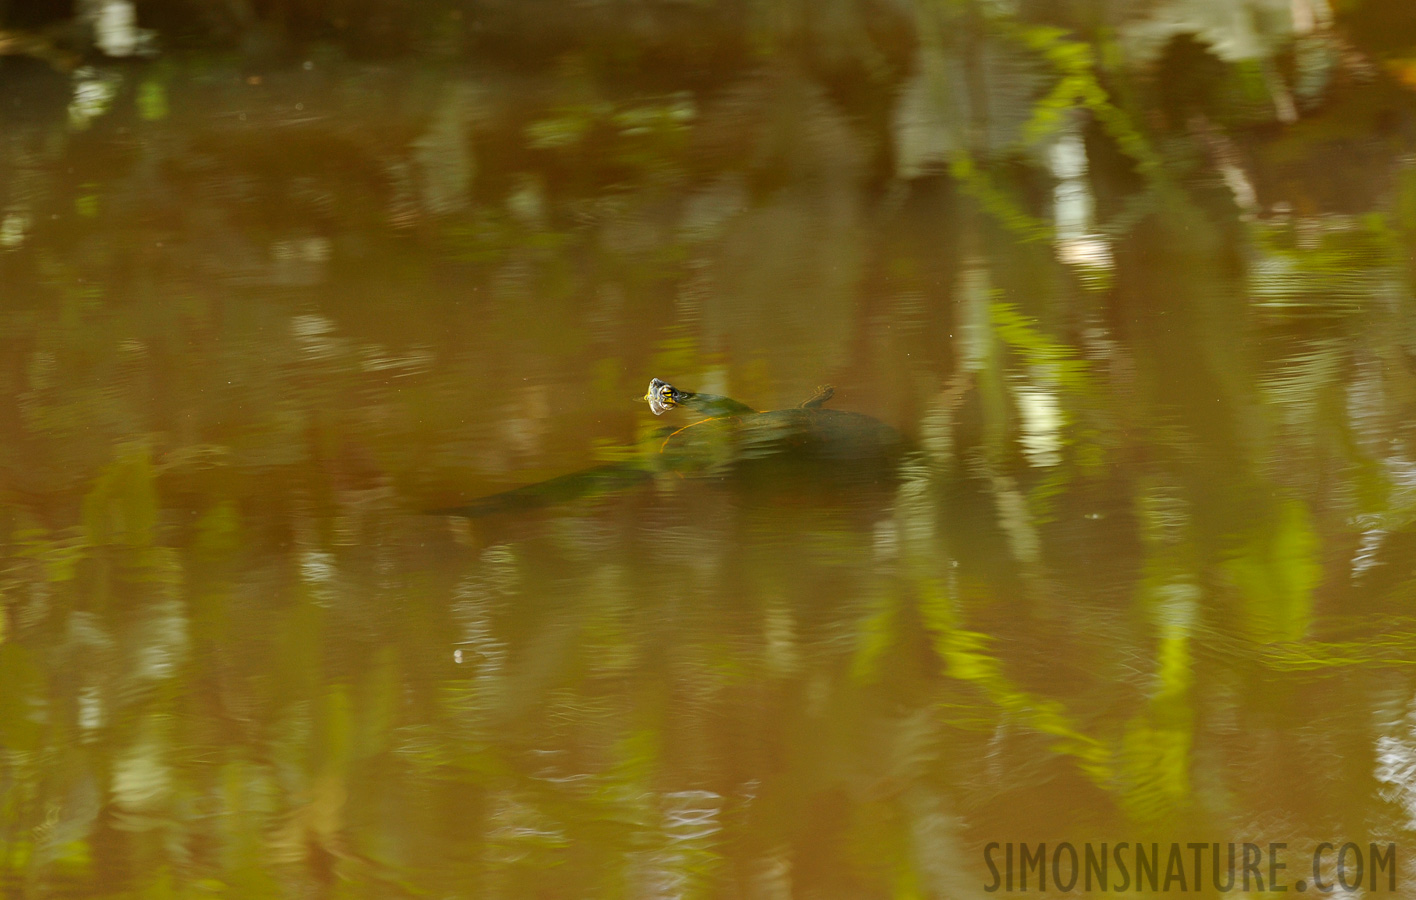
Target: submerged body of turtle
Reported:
[(806, 447)]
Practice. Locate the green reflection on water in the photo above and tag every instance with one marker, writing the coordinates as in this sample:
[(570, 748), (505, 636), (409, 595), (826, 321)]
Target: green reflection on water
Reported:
[(1141, 572)]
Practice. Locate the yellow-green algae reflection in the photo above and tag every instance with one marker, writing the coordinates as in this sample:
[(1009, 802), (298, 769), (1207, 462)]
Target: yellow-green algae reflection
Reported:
[(1133, 282)]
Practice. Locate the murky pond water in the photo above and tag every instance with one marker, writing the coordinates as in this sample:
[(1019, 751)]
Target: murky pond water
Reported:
[(1125, 554)]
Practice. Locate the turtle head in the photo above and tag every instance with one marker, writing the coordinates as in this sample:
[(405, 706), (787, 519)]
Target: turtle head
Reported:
[(663, 396)]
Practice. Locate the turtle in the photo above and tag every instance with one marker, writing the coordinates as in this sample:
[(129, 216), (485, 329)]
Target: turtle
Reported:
[(733, 433), (796, 446), (662, 397)]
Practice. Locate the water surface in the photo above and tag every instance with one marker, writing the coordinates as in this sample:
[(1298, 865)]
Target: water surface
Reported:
[(1143, 573)]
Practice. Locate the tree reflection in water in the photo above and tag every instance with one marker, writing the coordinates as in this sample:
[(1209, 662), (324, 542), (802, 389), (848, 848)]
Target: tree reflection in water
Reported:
[(1136, 288)]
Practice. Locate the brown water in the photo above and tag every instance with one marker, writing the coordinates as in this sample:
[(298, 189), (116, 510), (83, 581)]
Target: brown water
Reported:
[(1143, 574)]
